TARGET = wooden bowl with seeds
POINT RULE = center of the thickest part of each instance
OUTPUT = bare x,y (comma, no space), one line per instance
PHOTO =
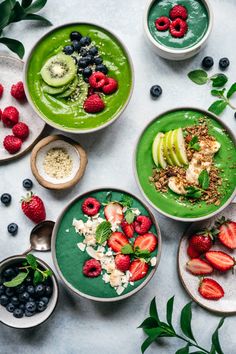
58,162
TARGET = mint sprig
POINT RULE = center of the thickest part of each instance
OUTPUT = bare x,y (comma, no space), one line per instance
136,252
200,77
219,105
194,143
193,192
103,232
204,179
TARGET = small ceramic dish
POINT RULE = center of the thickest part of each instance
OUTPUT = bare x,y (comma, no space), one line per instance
50,158
8,319
199,22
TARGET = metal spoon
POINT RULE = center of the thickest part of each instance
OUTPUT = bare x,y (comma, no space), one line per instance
40,237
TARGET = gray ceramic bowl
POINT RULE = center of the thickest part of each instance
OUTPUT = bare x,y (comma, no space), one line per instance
27,322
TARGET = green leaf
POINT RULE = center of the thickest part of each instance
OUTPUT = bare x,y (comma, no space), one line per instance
127,249
14,45
193,192
26,3
153,310
141,253
18,13
47,273
17,280
148,341
149,322
103,231
231,91
215,338
218,106
184,350
5,11
218,80
199,77
126,201
32,261
185,321
33,17
194,143
129,216
169,310
38,277
198,352
108,196
204,179
218,93
36,6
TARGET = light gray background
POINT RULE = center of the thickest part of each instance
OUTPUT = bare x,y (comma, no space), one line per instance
82,326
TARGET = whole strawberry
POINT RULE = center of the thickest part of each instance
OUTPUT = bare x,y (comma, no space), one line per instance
12,144
122,262
17,91
94,104
201,242
33,208
10,116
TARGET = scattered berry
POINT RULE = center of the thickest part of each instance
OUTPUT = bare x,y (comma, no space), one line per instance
91,206
12,228
155,91
122,262
114,213
201,242
33,208
68,49
110,86
92,268
84,41
227,233
142,224
94,104
210,289
75,36
138,269
98,60
146,242
224,63
1,90
178,11
102,68
162,23
27,184
97,80
192,252
18,92
178,28
220,260
6,198
10,116
21,130
117,240
207,62
128,229
12,144
198,266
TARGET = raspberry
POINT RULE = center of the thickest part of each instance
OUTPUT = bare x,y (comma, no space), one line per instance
91,206
10,116
94,104
178,28
92,268
142,224
0,114
162,23
110,86
178,11
122,262
17,91
1,90
12,144
21,130
97,79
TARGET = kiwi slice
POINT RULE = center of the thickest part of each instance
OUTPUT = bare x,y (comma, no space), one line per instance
54,90
83,91
59,70
72,87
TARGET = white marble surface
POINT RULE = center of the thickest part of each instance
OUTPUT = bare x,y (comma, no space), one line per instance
81,326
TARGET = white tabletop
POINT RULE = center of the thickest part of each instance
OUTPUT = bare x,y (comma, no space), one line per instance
82,326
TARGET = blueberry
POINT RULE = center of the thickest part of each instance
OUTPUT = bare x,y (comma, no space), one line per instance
9,273
45,299
22,307
93,51
12,228
24,297
75,36
30,306
89,59
18,313
155,91
40,290
98,60
87,72
68,49
27,184
4,300
41,306
224,63
83,52
84,41
20,289
30,289
29,314
28,281
83,63
6,199
9,292
48,290
102,68
15,301
207,62
10,307
2,289
76,45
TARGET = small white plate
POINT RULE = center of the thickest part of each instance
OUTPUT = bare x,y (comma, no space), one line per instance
227,304
11,71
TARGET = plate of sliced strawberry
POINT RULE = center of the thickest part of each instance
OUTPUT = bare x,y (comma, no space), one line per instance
106,245
206,261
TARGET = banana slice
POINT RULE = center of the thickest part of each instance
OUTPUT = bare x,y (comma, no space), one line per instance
176,185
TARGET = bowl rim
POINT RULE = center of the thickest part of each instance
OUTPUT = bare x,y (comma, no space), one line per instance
90,297
177,51
55,288
205,112
57,126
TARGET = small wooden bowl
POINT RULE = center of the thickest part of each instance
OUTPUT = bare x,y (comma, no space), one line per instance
58,141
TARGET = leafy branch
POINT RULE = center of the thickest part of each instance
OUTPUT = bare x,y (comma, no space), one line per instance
13,11
155,328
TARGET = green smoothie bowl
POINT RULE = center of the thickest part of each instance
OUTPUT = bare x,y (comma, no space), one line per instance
185,164
106,245
178,29
79,77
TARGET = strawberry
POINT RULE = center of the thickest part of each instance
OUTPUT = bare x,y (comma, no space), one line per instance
220,260
114,213
138,269
116,241
110,86
178,28
1,90
227,232
97,79
197,266
33,208
21,130
122,262
94,104
142,224
17,91
12,144
10,116
146,242
178,11
210,289
192,252
202,241
162,23
128,229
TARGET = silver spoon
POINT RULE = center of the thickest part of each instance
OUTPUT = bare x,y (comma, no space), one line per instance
40,237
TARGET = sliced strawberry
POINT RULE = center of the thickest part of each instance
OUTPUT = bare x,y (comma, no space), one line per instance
210,289
220,260
146,242
199,267
114,213
138,269
192,252
227,234
116,241
128,229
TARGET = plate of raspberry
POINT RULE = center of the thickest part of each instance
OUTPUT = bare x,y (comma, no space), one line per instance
20,127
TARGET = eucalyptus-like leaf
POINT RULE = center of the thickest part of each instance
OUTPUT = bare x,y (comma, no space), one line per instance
26,3
149,340
231,91
18,13
184,350
36,6
5,12
215,338
169,310
219,80
199,77
149,322
198,352
153,310
34,17
218,107
14,45
185,321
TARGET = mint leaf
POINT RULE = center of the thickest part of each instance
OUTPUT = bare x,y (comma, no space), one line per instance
32,261
127,249
129,216
126,201
38,277
204,179
14,45
199,77
194,143
193,192
218,80
185,321
141,253
218,106
17,280
103,231
231,91
47,273
218,93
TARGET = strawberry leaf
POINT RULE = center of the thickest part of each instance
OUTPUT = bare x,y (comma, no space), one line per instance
185,321
218,106
17,280
199,77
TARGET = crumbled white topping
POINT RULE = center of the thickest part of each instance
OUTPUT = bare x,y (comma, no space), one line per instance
81,246
67,230
153,261
120,290
136,211
106,278
115,278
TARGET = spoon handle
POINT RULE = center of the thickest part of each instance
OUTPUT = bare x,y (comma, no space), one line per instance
27,251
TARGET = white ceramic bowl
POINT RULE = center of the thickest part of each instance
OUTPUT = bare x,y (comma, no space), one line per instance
175,53
27,322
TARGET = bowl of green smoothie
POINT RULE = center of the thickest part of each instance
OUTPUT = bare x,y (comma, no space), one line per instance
185,164
79,77
179,29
